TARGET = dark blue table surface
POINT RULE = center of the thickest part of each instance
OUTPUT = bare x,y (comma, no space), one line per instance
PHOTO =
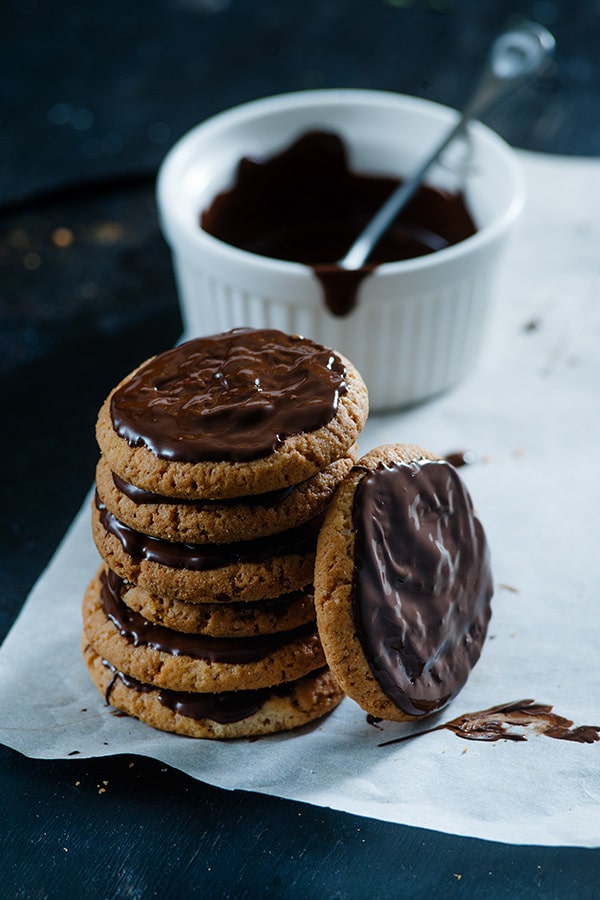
93,95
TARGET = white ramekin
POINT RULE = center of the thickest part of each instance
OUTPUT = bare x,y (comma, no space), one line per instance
419,324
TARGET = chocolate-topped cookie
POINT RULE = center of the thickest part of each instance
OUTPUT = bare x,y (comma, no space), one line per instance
220,521
227,714
402,583
207,573
177,661
222,619
245,412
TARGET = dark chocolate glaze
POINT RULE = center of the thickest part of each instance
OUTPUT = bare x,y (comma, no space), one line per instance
270,499
231,397
140,632
224,707
273,604
495,723
422,582
306,204
200,557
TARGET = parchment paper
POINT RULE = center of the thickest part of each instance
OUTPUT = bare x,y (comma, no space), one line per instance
531,414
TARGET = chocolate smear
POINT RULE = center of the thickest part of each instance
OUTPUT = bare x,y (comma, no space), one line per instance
495,724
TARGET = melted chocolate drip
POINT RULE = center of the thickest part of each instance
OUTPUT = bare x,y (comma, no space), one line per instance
224,707
307,205
422,582
231,397
141,497
460,458
374,721
494,724
200,557
140,632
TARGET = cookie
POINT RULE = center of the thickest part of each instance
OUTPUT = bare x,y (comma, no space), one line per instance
245,412
176,661
236,714
224,619
225,521
402,583
207,573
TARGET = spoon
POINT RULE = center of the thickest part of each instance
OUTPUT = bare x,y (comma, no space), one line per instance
516,54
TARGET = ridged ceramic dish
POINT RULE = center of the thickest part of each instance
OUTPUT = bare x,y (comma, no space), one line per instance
419,324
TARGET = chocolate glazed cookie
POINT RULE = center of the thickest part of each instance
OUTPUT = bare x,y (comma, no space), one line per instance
220,521
229,714
170,659
240,413
207,573
402,583
222,619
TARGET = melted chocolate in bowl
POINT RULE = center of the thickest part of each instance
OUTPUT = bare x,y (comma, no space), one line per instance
306,205
422,582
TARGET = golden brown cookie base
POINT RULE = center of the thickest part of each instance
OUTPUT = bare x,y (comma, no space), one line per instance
243,582
186,673
333,587
309,699
225,619
220,523
298,458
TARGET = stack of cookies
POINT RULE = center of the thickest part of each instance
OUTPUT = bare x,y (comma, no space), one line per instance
218,462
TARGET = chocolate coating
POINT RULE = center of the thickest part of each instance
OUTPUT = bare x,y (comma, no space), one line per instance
200,557
139,496
140,632
230,397
223,707
422,582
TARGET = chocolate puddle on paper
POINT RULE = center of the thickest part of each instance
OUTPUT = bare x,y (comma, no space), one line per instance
495,724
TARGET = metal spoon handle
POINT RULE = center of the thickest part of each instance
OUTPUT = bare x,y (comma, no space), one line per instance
514,55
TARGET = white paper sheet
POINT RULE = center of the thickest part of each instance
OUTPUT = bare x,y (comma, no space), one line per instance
531,413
